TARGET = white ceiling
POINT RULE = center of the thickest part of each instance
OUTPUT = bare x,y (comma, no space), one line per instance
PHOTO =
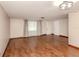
33,10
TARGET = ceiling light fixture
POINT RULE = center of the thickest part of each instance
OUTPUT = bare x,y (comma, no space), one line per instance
42,17
64,4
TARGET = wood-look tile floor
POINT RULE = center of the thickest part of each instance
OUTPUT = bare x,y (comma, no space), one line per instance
43,46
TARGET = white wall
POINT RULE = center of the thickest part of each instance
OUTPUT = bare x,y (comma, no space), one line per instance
16,28
74,29
58,27
4,30
44,28
47,27
64,27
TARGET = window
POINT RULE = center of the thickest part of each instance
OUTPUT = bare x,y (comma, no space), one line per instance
32,28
